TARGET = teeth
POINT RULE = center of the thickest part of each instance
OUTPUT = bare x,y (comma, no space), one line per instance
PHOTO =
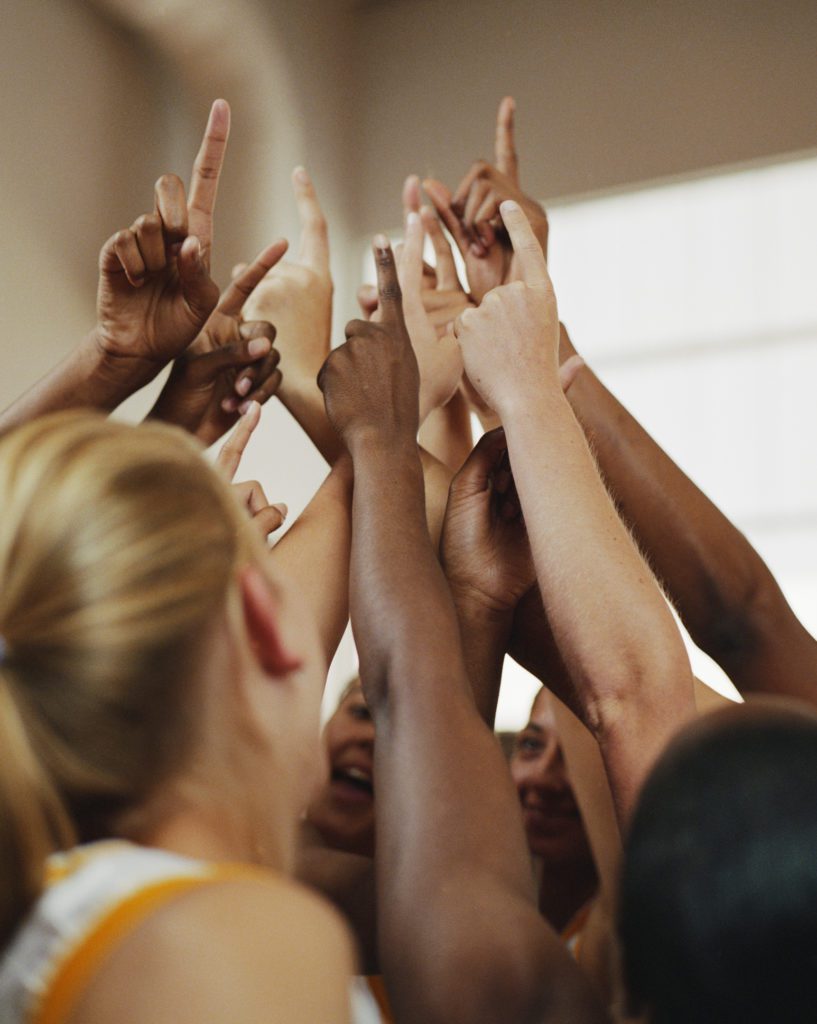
359,774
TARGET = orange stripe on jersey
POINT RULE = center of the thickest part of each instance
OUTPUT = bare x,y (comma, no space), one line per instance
378,989
79,967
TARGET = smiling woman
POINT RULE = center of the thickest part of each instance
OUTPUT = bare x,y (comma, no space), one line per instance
343,809
554,828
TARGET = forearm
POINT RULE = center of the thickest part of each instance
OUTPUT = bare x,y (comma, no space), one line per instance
446,433
315,552
484,634
445,804
436,480
398,589
86,378
716,579
304,402
610,621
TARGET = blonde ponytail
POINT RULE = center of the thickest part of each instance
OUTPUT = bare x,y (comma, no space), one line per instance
34,821
118,546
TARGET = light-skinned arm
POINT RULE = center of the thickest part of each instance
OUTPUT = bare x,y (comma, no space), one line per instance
610,620
724,592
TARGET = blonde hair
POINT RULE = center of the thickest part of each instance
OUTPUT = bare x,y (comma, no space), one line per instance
118,545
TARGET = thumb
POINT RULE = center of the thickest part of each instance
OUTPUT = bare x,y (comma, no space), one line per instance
367,299
569,370
199,290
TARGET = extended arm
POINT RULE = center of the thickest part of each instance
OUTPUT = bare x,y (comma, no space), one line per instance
725,594
477,950
611,623
315,552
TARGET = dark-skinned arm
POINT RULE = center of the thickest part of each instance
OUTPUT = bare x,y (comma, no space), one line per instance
725,594
477,950
486,556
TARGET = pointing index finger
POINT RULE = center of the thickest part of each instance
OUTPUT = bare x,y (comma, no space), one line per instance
249,277
504,147
390,298
206,173
314,248
411,264
525,245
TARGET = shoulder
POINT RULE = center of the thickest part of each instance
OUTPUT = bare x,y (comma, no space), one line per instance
251,948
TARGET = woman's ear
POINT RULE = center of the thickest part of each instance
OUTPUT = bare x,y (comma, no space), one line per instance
262,621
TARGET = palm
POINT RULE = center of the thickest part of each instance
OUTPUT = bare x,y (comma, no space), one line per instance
298,300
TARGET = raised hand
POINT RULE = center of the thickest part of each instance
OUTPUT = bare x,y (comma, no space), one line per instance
438,355
444,297
200,393
297,298
510,343
371,384
484,545
155,292
471,214
267,518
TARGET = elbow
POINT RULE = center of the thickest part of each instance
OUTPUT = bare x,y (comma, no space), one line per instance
737,619
529,978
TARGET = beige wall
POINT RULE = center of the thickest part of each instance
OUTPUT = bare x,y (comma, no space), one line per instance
100,98
609,93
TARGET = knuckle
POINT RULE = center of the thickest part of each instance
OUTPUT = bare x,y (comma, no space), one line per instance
147,222
205,169
168,182
317,223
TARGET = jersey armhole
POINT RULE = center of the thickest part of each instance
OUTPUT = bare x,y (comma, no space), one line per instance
78,967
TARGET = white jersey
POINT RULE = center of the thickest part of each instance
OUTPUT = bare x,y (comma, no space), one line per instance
95,896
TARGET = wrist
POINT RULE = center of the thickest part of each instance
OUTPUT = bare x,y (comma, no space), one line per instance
532,398
299,384
477,605
371,444
117,375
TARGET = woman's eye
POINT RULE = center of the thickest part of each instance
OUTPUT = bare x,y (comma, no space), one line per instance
528,745
361,713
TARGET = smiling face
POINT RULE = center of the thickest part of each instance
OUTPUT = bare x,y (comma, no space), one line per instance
553,823
343,810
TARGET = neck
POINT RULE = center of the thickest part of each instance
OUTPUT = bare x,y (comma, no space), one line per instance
223,831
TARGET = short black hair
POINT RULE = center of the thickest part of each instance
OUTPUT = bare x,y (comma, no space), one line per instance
718,898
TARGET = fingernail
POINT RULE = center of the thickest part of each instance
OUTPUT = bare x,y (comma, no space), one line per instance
509,206
245,407
301,176
259,347
381,242
413,218
281,508
243,386
229,404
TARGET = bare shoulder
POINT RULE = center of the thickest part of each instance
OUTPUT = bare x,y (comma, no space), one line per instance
249,949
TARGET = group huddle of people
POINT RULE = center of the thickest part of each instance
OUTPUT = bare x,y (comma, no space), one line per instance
178,841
